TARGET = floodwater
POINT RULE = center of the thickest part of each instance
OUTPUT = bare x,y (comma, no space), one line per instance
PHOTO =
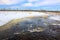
5,17
41,27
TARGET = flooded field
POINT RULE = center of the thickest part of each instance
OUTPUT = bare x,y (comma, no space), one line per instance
29,26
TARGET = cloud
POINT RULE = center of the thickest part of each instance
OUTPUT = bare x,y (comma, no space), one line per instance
29,3
41,3
49,2
32,0
9,2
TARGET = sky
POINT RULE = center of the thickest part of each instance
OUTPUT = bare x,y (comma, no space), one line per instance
30,4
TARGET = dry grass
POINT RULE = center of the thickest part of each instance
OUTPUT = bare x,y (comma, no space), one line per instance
9,24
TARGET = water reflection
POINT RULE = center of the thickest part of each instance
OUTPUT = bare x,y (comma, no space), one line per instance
36,27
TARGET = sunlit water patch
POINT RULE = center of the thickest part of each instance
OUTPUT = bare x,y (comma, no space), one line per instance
5,17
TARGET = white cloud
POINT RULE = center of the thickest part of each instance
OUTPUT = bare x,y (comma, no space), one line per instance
41,3
27,4
30,3
9,2
33,0
48,2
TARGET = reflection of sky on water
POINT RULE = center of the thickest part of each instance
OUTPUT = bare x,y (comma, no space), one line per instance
5,17
55,17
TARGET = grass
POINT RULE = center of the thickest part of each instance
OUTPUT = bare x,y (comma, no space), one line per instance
9,24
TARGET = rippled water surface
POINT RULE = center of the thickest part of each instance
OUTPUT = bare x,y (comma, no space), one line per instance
41,26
